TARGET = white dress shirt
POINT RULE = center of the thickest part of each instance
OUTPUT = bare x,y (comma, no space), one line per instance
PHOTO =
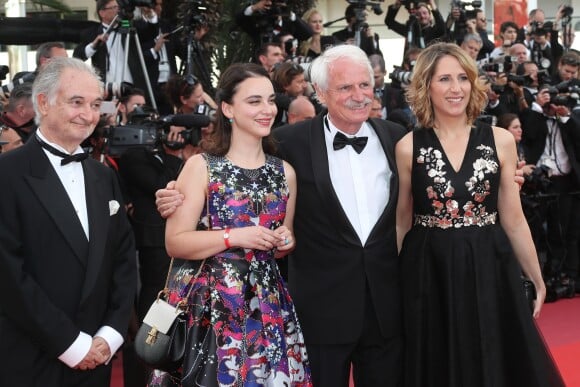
361,181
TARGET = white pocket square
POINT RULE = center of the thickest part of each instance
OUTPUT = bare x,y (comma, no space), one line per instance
113,207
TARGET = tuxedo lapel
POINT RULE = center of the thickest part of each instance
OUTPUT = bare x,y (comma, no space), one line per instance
49,190
388,145
98,214
323,183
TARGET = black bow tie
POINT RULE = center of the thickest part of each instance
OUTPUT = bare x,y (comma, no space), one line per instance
66,158
358,143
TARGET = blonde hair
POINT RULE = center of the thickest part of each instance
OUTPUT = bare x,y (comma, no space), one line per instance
305,45
418,93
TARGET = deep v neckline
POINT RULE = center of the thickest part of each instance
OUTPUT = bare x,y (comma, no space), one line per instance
444,152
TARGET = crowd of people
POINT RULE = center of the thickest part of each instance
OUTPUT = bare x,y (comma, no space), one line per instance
340,224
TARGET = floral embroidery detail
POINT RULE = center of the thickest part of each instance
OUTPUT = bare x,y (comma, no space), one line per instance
446,211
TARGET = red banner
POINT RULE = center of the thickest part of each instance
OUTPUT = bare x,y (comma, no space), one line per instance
509,10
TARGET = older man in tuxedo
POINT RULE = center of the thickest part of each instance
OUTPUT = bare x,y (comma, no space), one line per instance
343,275
67,271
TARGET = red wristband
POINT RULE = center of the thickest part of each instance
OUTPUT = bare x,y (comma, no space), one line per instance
227,238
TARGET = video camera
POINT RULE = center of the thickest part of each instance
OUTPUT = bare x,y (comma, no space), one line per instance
128,6
151,132
361,5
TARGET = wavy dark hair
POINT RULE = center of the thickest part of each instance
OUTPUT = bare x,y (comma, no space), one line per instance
218,142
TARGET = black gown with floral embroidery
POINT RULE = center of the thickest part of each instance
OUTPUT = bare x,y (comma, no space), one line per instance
466,317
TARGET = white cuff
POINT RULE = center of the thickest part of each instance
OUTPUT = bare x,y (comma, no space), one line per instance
564,119
537,108
112,337
89,50
248,11
77,350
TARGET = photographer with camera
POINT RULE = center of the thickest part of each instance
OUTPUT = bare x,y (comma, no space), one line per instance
356,16
425,23
508,32
264,19
160,45
550,140
536,18
104,45
9,139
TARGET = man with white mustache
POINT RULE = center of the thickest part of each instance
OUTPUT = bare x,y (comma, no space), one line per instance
343,274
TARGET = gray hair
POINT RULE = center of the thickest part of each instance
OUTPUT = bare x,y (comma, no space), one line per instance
476,38
45,50
322,65
20,93
47,81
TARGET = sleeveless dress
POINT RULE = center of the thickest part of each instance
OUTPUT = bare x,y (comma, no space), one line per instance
467,320
256,336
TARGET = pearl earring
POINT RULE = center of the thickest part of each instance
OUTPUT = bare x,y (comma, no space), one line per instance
231,120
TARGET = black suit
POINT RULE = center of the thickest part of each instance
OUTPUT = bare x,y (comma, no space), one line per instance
53,282
147,34
331,275
143,173
563,214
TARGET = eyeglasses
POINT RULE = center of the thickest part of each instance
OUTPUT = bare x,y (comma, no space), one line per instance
111,7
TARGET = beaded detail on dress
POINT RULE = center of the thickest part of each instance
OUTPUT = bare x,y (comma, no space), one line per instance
446,210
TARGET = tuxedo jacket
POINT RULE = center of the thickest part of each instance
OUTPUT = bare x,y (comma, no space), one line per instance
54,283
330,270
535,133
144,172
101,57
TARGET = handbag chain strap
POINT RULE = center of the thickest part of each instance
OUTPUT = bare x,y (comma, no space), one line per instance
183,301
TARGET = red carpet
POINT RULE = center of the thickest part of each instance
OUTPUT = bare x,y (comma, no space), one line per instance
559,323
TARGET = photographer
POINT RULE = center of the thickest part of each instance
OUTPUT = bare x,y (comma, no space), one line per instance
265,19
508,32
355,16
19,112
567,68
550,140
134,98
159,46
421,28
9,139
144,171
104,45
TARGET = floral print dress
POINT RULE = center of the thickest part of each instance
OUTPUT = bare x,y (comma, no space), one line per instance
466,318
242,297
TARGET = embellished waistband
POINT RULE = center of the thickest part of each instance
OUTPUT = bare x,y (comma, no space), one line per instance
455,222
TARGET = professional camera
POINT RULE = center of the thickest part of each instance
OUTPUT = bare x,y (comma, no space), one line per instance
520,80
463,5
560,286
568,98
537,182
401,76
362,4
129,5
116,89
7,89
504,64
150,133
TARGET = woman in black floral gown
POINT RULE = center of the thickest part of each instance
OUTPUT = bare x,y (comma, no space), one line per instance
464,241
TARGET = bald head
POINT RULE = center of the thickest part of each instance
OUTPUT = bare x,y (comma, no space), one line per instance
300,109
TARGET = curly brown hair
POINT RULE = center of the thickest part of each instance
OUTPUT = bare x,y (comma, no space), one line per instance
418,93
